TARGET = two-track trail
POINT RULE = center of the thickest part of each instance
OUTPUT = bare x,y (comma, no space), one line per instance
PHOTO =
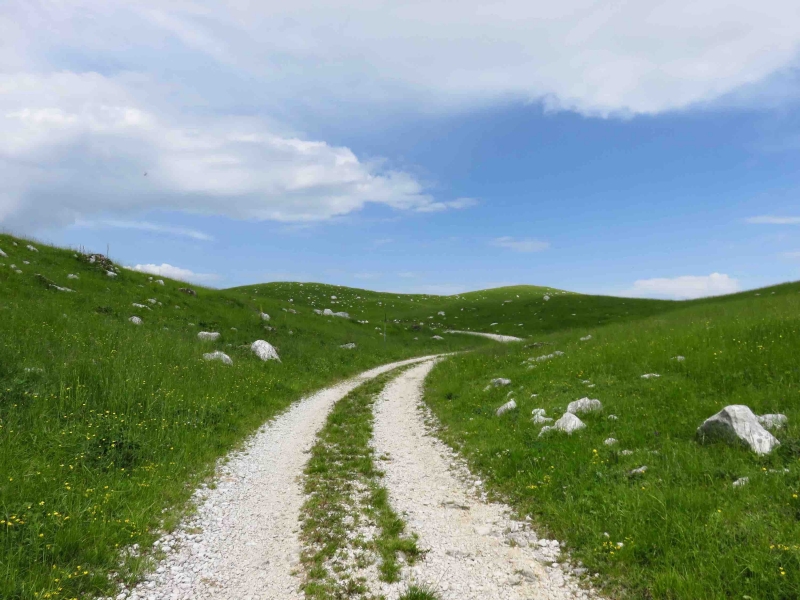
242,543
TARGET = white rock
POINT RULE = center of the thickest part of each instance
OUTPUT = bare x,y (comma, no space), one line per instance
499,382
638,471
679,358
160,281
135,320
584,405
111,273
510,405
348,346
152,301
567,423
538,411
546,298
264,316
612,417
217,355
626,452
208,335
586,338
437,337
333,297
737,422
264,350
773,421
31,248
540,419
440,313
650,375
26,262
609,441
72,276
741,481
329,313
3,254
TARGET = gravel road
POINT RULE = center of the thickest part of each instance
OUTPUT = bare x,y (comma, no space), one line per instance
242,543
476,551
492,336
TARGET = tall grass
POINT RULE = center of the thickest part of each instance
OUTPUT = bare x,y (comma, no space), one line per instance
681,529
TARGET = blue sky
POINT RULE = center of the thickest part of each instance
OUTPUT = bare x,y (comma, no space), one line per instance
635,150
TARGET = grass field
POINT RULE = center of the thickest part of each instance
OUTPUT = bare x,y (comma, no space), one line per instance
104,425
680,529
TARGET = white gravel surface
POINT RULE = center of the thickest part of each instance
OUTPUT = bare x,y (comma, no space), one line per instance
492,336
476,550
242,543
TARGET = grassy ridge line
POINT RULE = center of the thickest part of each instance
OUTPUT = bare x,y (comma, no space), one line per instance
349,530
680,530
105,425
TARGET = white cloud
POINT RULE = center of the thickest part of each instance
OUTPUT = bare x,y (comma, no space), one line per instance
366,275
685,287
791,255
407,274
521,245
773,220
458,203
75,145
167,270
146,226
597,58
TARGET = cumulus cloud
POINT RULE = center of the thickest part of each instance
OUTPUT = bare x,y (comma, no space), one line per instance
167,270
773,220
74,145
146,226
521,245
685,287
595,58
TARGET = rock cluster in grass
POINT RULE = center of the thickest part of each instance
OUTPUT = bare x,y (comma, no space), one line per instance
568,423
539,417
497,382
348,346
737,423
437,337
208,336
773,421
220,356
650,376
135,320
264,350
264,316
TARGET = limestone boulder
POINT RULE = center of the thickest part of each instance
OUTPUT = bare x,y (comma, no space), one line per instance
737,423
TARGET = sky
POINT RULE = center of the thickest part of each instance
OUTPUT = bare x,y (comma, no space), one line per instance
641,148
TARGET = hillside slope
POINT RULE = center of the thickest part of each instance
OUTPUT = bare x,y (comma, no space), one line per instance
680,528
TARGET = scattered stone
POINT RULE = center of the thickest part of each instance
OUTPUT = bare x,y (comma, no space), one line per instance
26,262
741,482
159,281
510,405
638,471
137,305
437,337
3,254
539,417
265,316
264,350
584,405
220,356
31,248
610,441
152,301
72,276
498,382
586,338
650,375
612,417
187,290
568,423
348,346
209,336
773,421
135,320
329,313
111,273
333,297
737,422
546,298
626,452
678,358
440,313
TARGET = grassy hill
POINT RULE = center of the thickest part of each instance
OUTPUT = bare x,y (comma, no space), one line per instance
681,529
106,427
105,424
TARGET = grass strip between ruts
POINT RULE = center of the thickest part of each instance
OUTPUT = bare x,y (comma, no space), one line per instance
349,530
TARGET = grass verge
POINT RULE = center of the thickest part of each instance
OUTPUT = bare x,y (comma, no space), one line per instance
352,537
680,529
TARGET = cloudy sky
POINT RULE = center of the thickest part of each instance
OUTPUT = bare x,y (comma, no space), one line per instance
642,148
